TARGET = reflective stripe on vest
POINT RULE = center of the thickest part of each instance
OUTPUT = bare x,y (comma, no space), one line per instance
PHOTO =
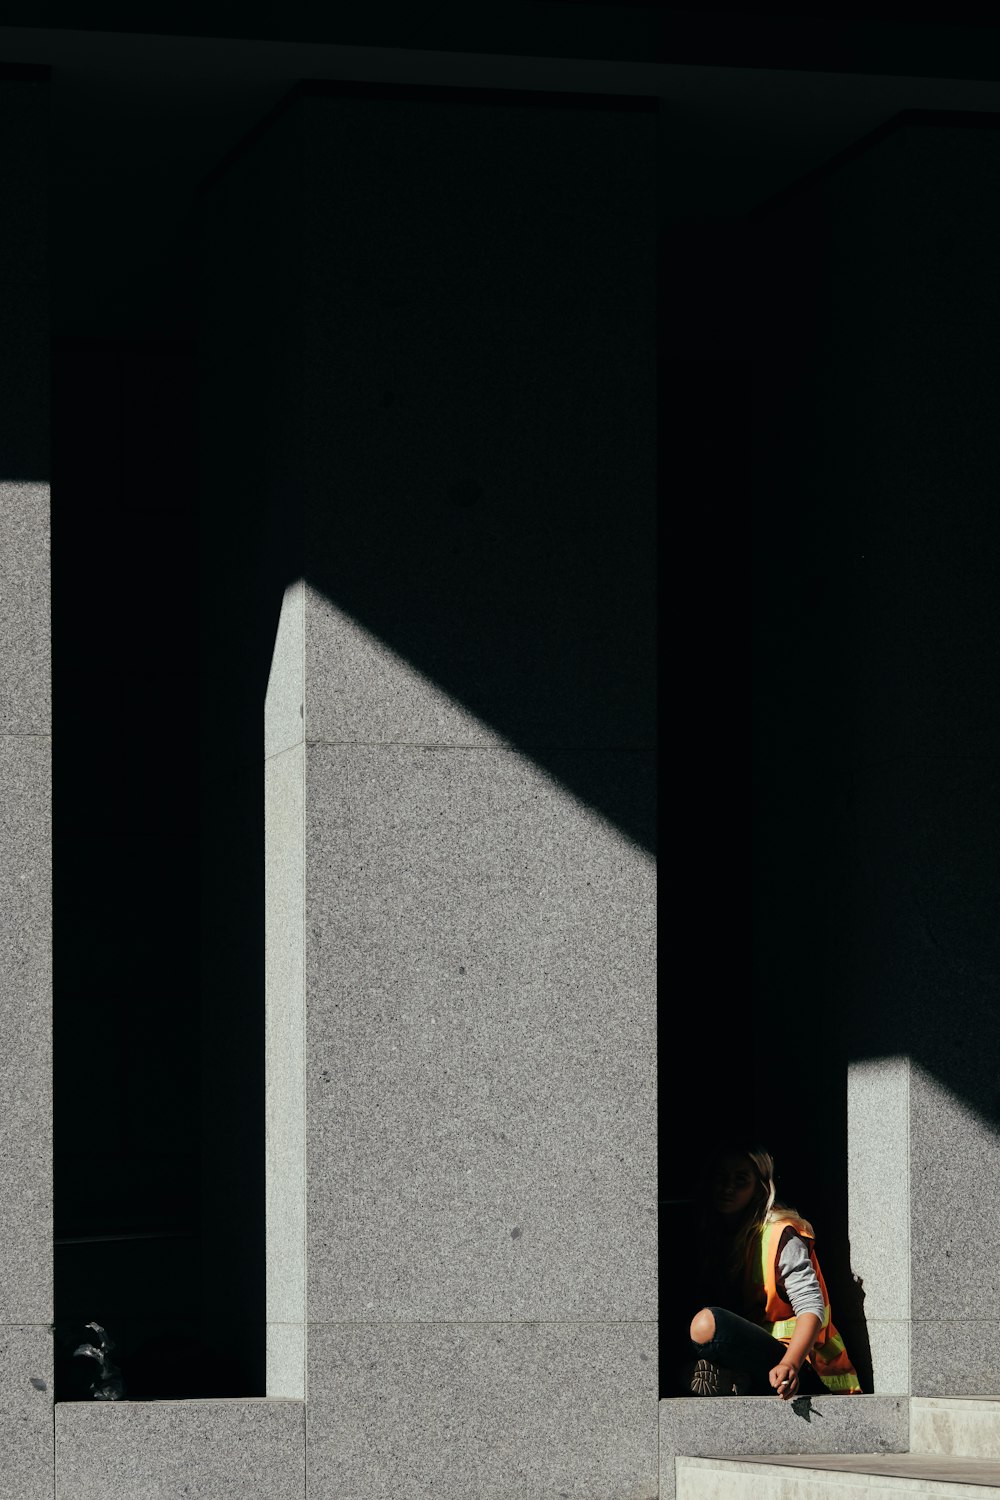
828,1356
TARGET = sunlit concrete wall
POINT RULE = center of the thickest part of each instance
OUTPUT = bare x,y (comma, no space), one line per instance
26,1309
432,321
879,616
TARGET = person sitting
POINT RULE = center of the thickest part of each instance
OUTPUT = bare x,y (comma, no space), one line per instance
769,1327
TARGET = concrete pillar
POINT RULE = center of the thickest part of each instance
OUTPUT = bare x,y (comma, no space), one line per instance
879,564
432,316
26,1302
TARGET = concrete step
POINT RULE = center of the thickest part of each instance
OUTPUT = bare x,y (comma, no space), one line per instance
962,1426
838,1476
729,1427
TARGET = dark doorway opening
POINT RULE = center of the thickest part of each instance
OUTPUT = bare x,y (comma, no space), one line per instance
137,1133
744,1054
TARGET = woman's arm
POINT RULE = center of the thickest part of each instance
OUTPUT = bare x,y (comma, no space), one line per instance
785,1375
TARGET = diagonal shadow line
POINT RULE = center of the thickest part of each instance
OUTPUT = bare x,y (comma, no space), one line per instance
563,675
615,781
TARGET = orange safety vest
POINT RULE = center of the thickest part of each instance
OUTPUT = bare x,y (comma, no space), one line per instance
828,1355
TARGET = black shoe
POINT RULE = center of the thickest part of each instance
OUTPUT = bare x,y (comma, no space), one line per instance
709,1380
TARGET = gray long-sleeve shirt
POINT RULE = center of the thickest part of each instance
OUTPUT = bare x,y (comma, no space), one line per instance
799,1277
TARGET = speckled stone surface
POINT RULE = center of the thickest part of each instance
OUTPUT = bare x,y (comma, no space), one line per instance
26,1234
497,1411
955,1153
26,1376
902,281
843,1478
285,1359
25,1030
959,1426
478,477
284,701
955,1358
25,632
878,1177
481,1049
482,564
166,1450
284,1077
889,1343
464,413
737,1425
362,691
878,1123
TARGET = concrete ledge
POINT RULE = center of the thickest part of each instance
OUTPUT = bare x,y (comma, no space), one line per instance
25,1027
25,1413
828,1477
734,1426
963,1426
239,1449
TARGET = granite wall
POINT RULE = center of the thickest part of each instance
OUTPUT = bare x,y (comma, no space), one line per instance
429,407
877,735
26,1304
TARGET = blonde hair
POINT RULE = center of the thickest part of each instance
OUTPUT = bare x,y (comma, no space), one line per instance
764,1209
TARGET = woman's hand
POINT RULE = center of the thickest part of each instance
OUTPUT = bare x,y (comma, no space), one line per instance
785,1376
785,1379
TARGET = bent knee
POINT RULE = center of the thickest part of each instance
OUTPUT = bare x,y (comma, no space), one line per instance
703,1326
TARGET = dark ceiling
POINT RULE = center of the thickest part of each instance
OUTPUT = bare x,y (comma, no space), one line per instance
927,40
749,103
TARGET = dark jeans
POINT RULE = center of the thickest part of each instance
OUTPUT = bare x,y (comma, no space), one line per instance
740,1345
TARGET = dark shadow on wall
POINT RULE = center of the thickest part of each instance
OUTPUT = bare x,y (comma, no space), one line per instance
158,832
527,599
472,538
878,633
874,884
475,482
466,532
130,1117
877,647
24,310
